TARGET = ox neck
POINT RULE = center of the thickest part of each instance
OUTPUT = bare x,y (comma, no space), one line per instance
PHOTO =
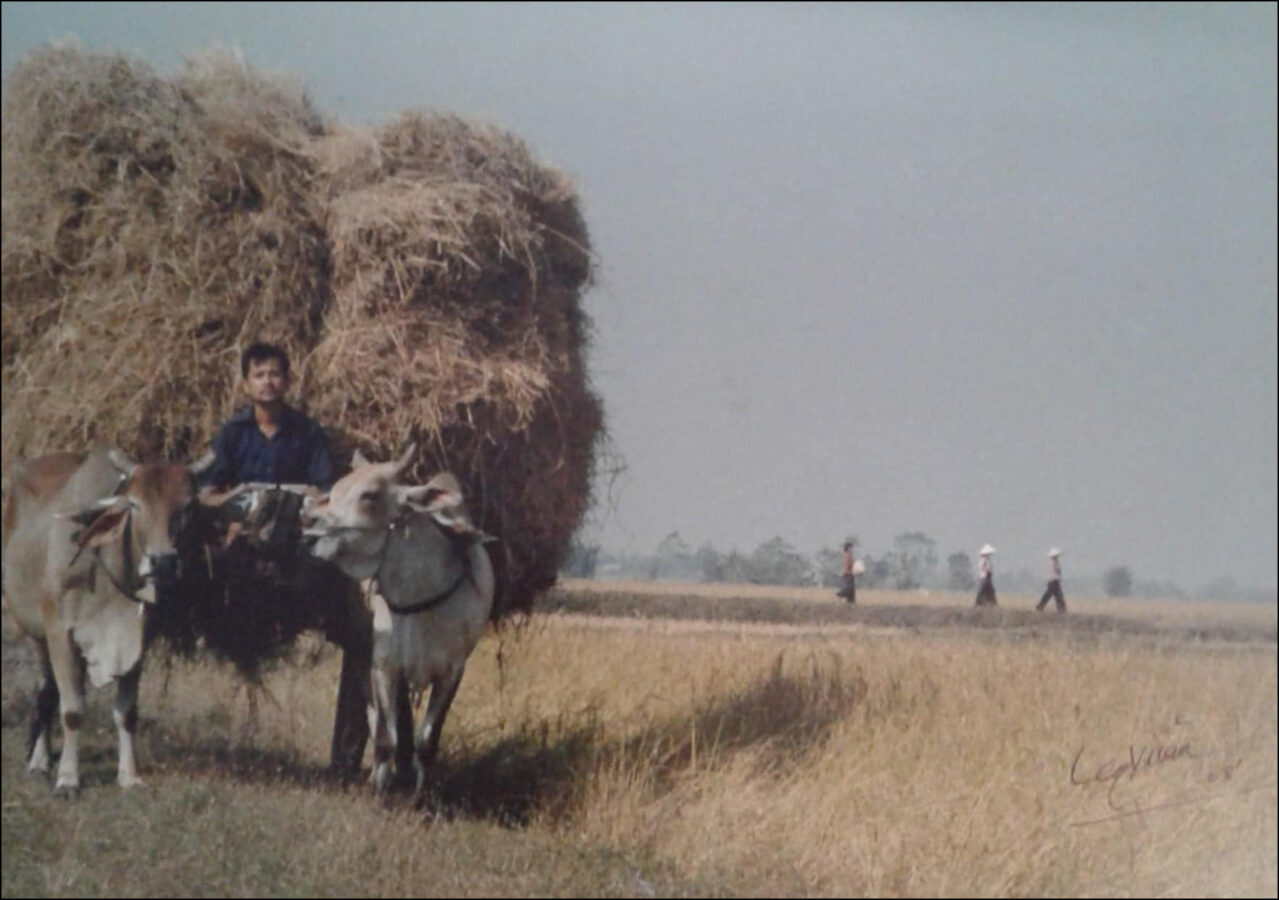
415,586
365,562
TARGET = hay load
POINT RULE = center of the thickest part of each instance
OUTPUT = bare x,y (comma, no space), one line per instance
424,277
147,232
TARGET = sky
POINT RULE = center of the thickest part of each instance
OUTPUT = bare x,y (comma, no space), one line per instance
999,273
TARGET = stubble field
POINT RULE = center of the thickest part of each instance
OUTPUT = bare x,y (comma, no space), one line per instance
690,740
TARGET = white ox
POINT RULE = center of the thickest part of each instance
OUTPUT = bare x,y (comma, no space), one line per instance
87,541
433,592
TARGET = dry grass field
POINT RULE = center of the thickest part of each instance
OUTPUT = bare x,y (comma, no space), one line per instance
642,740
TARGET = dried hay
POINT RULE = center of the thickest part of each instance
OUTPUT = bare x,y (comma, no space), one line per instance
424,277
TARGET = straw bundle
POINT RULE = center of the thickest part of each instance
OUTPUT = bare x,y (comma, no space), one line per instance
424,277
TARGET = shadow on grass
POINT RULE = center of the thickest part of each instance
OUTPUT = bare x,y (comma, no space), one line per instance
224,757
547,769
544,769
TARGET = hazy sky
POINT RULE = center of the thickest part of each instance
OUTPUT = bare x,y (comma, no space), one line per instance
999,273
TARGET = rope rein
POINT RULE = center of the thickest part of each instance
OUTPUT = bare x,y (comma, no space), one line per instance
125,560
421,605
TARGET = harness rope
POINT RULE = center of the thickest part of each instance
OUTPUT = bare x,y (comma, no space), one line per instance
125,559
421,605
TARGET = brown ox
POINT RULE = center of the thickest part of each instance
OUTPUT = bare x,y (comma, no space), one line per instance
87,542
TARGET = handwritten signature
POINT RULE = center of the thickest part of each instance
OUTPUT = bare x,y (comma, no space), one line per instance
1120,774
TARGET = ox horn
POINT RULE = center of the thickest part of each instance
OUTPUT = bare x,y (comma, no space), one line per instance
89,513
403,462
121,462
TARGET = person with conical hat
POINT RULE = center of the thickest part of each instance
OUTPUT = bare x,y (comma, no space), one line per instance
986,573
1054,583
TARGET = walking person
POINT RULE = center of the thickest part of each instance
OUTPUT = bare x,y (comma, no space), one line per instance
848,590
1054,583
986,572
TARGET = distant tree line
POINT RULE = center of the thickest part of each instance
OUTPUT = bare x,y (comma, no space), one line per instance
910,564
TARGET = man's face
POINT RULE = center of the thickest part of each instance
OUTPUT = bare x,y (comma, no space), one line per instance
266,381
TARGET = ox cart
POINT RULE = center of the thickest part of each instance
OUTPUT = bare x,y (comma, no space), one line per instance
259,590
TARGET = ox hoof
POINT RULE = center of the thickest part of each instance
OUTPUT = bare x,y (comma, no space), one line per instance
38,759
428,801
424,803
432,809
383,779
132,782
70,792
344,774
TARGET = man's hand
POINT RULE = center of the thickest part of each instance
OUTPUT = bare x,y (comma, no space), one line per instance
210,496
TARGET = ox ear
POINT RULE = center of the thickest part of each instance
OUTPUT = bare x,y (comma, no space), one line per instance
441,499
202,465
403,462
357,459
441,492
121,462
425,497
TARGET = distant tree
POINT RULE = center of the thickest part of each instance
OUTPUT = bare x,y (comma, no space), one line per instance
1118,581
673,558
581,560
711,563
738,569
830,566
877,573
777,562
636,565
912,559
672,546
960,568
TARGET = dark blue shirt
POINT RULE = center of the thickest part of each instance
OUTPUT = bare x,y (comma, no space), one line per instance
298,453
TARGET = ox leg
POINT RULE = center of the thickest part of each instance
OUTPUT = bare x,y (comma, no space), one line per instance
38,749
126,722
384,732
404,765
442,694
67,672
